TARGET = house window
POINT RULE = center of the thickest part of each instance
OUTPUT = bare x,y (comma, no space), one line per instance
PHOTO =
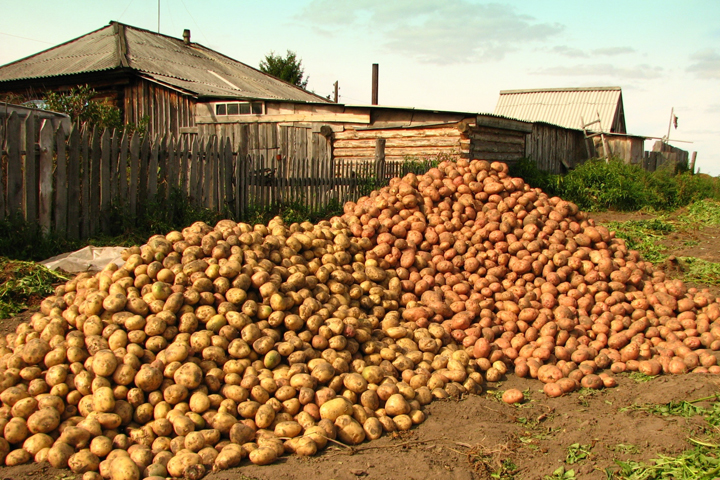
239,108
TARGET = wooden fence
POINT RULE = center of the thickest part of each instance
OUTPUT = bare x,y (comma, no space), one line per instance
67,181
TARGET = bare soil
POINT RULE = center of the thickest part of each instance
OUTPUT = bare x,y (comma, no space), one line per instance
469,438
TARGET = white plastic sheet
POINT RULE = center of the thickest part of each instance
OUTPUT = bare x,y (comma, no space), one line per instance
88,259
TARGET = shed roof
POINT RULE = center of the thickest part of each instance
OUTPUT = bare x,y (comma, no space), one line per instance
192,68
566,106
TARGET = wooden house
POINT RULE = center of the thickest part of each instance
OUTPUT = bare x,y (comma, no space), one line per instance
149,75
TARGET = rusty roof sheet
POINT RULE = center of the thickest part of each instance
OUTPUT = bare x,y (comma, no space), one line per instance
564,106
192,68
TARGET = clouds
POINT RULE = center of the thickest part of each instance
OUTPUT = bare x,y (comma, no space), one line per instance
706,64
642,72
451,32
572,52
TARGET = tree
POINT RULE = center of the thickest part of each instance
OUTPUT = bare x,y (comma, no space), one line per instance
288,68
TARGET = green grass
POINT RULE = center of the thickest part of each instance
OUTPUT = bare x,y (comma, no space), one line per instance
22,283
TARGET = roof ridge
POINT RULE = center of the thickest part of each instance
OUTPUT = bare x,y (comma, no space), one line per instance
562,89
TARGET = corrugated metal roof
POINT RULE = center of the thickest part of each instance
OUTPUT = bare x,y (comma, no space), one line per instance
565,106
192,68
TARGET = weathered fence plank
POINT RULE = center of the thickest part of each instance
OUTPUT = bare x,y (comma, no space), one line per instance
61,184
30,187
162,169
114,167
122,168
85,182
73,192
105,175
143,185
152,176
14,166
94,207
47,153
134,173
2,178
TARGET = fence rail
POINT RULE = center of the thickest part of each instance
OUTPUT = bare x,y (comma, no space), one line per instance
66,181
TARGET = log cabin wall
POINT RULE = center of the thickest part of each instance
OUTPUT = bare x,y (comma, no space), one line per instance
557,149
401,144
491,144
169,112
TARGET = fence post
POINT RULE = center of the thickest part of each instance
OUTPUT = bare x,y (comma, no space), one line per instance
46,172
380,166
105,178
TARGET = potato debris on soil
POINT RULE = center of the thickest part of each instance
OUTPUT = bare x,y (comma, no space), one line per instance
211,347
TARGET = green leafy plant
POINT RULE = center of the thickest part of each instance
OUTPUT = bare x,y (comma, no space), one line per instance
699,463
561,474
577,453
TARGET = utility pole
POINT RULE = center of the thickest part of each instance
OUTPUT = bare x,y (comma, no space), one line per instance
158,16
336,91
375,77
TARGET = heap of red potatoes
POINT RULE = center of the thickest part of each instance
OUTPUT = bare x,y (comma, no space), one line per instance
213,345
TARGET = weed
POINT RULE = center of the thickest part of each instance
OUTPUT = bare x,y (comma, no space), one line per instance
697,270
22,283
699,463
704,211
577,453
624,448
639,377
642,235
561,474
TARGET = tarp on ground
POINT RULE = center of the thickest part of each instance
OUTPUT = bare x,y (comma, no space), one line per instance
88,259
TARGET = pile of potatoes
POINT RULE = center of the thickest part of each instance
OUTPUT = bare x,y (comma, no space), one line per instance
215,345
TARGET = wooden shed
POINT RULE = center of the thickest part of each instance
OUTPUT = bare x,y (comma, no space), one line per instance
148,75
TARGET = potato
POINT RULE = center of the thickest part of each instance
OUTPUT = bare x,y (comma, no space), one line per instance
349,430
262,456
100,446
229,457
104,363
103,400
177,465
123,468
16,430
17,457
332,409
83,461
512,395
25,407
59,455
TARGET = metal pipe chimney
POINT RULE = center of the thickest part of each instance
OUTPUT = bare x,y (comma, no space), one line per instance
375,74
186,36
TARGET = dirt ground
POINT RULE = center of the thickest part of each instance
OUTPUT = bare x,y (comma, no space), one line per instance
469,438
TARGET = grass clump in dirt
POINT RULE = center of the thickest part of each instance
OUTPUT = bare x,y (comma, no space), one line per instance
23,284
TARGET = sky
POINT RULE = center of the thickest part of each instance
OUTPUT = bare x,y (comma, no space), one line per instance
444,55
